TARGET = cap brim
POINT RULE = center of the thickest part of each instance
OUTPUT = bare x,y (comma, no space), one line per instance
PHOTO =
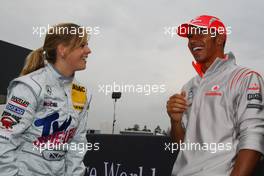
182,30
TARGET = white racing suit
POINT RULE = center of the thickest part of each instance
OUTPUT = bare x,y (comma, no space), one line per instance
43,126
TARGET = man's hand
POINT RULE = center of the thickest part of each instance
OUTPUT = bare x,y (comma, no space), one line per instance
176,106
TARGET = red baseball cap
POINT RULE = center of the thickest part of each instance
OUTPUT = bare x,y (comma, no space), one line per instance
203,21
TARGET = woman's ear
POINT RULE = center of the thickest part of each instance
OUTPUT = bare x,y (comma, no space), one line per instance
61,50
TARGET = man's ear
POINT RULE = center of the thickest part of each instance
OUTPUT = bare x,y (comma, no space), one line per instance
220,39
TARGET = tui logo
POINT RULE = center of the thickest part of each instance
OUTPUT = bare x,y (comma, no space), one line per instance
50,122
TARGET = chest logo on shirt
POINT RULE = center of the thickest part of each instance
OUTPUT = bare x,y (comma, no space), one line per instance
50,121
78,97
60,133
15,109
215,91
48,103
190,94
8,120
48,89
78,88
20,101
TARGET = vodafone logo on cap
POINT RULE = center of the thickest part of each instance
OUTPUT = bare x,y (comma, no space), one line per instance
196,21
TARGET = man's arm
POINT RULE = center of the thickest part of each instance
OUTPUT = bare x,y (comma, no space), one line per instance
176,106
177,131
250,124
246,162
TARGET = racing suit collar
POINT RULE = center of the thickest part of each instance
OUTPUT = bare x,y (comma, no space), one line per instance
217,65
59,76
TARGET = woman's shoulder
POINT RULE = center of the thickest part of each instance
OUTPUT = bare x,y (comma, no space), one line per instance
32,80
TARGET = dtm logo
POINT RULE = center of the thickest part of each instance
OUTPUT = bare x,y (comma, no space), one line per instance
49,121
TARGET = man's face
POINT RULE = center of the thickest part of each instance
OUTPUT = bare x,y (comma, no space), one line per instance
201,44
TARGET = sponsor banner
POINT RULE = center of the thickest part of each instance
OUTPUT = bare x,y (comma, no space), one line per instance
123,155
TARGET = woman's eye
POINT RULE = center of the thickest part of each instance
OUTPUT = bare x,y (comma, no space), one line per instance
84,44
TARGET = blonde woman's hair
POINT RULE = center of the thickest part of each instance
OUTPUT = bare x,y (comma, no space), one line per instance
68,34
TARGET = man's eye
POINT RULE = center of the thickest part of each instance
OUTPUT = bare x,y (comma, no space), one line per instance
189,36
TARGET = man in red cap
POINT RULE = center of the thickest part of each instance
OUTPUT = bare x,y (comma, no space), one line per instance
217,120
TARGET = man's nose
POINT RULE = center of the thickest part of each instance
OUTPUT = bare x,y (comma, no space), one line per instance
193,41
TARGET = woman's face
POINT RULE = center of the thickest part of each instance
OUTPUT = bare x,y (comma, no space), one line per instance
77,58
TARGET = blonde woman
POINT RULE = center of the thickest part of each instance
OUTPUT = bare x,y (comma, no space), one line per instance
45,118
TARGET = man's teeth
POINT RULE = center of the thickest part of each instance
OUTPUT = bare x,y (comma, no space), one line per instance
197,48
84,58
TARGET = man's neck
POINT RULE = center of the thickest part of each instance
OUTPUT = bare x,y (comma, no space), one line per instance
207,64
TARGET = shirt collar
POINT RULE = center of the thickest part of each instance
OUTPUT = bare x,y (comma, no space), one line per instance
57,75
217,64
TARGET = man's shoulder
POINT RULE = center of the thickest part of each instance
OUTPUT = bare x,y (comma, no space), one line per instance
240,75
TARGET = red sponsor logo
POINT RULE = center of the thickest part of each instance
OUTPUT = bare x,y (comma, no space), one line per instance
215,88
59,137
214,91
50,104
253,86
20,101
7,122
